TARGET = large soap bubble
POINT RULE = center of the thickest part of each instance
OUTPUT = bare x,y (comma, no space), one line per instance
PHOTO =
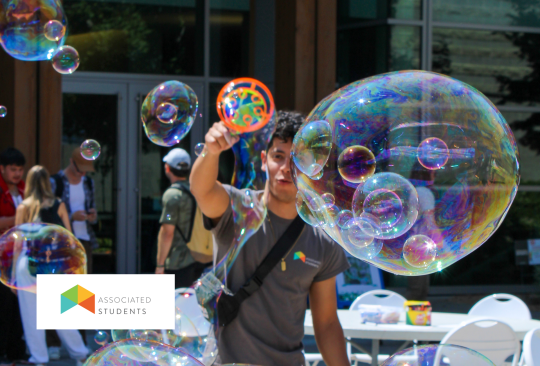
385,146
438,355
25,28
245,105
36,248
136,352
168,112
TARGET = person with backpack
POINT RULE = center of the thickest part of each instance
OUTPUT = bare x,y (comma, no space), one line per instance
185,247
76,190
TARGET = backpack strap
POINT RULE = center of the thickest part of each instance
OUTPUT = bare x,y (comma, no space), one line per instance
184,189
59,182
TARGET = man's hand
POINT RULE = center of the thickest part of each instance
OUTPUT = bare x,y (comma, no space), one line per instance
218,139
160,270
79,215
92,215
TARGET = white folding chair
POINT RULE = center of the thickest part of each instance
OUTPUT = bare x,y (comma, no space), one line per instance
493,338
531,349
374,297
501,306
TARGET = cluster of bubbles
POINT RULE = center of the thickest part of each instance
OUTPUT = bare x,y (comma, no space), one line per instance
438,355
3,111
37,248
90,149
410,171
245,105
168,112
33,30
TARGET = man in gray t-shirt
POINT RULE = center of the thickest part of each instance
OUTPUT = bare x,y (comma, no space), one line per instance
270,325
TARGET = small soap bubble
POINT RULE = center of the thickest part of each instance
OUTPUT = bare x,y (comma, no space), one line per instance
345,219
311,147
3,111
101,337
438,354
358,237
328,199
66,60
356,164
419,251
200,149
309,209
318,175
248,199
433,153
54,30
90,149
166,112
159,100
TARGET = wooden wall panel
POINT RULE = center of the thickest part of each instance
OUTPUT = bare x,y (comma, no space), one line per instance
50,117
25,110
305,55
285,54
326,48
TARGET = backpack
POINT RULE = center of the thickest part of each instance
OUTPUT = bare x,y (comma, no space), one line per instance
199,240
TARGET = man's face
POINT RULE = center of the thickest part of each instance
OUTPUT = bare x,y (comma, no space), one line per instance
12,174
75,169
276,163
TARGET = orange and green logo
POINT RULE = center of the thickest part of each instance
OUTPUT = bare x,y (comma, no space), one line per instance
301,256
77,295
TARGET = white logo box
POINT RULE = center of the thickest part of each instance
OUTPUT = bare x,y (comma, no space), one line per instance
136,302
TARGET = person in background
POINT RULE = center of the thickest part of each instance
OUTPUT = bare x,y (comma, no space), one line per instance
76,190
181,223
269,326
12,163
40,205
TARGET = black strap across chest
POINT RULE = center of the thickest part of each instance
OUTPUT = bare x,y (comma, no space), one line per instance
229,306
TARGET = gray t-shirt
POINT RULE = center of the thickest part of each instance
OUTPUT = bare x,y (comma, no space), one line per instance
270,326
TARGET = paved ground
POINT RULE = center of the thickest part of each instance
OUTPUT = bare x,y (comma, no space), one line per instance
455,304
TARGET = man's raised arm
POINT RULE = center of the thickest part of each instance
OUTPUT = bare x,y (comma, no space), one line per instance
211,197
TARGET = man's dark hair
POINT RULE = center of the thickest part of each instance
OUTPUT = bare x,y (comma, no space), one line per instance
180,173
12,156
287,125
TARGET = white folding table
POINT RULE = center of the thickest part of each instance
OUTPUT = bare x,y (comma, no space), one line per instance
441,323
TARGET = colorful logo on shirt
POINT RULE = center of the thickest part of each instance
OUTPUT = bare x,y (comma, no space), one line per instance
77,295
301,256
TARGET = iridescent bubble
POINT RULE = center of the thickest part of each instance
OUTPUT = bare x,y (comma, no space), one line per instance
248,199
200,149
135,352
309,209
328,199
358,237
419,251
245,105
23,28
166,112
388,202
177,94
311,147
403,119
356,164
3,111
36,248
318,175
439,355
345,219
433,153
90,149
54,30
66,60
101,337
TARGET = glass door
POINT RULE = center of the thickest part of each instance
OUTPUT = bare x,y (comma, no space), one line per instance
97,110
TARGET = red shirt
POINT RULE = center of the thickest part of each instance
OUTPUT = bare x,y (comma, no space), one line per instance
7,206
